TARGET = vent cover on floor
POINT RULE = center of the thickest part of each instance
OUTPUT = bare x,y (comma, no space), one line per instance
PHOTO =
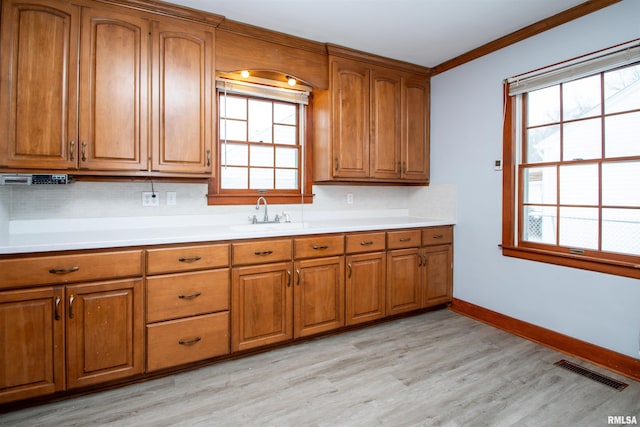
592,375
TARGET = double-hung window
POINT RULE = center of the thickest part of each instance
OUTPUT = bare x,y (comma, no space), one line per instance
261,143
572,163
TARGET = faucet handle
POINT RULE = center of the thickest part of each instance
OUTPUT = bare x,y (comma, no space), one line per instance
286,216
253,219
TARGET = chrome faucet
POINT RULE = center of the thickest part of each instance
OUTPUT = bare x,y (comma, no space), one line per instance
266,214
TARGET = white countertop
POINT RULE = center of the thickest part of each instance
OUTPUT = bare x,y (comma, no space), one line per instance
58,235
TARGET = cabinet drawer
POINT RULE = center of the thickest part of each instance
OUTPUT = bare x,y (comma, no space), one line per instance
318,246
365,242
185,258
29,271
261,251
437,235
403,239
187,294
177,342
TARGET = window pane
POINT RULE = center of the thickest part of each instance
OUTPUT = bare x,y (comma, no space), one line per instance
543,106
579,185
284,113
622,134
543,144
233,178
234,154
539,224
286,157
261,179
284,134
621,184
540,185
621,91
262,155
621,230
582,140
233,130
579,227
260,121
287,179
581,98
233,107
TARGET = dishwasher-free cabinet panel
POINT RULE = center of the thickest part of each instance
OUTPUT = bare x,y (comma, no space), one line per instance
365,287
438,280
404,290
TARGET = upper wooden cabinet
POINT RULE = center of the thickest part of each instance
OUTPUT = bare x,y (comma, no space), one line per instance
183,120
74,87
80,90
378,120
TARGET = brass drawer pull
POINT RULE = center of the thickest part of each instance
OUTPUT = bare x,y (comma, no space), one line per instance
71,299
192,341
350,267
263,253
298,282
192,259
405,239
320,247
368,243
84,148
191,296
438,236
64,270
57,308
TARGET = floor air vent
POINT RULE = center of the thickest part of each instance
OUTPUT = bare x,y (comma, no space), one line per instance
592,375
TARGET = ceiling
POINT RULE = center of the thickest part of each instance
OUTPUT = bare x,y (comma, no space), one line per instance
423,32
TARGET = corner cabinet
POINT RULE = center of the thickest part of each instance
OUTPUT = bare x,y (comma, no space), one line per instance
378,120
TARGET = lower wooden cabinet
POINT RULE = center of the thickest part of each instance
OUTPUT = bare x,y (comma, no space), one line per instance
261,305
365,287
437,276
404,285
31,343
318,296
104,331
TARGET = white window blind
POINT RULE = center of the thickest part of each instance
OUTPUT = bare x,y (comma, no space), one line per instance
617,56
262,91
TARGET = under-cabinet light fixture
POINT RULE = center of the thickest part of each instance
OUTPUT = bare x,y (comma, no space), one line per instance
292,81
244,73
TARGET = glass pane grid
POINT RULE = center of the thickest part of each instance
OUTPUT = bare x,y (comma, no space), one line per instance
581,164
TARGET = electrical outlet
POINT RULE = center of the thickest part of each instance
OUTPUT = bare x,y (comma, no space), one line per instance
349,198
150,198
172,198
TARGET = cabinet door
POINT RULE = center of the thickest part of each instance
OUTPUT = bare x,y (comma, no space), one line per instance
415,130
319,296
386,90
350,119
365,287
38,103
183,124
105,328
261,305
113,91
438,283
31,343
403,281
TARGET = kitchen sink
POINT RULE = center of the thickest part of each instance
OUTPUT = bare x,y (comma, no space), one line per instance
271,226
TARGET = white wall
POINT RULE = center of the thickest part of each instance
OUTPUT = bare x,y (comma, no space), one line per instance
466,138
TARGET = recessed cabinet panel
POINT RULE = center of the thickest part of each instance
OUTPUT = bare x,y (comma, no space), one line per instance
415,127
113,91
438,279
183,124
365,287
385,110
38,104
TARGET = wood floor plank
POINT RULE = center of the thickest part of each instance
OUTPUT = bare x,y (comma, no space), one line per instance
434,369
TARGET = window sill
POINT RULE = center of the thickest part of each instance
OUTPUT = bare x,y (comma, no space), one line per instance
617,268
217,199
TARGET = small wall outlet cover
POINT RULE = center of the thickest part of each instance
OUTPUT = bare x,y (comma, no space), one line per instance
150,198
172,198
349,198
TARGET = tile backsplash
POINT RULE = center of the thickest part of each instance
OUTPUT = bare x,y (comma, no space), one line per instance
101,200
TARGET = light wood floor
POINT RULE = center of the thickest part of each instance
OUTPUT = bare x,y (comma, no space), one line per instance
435,369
